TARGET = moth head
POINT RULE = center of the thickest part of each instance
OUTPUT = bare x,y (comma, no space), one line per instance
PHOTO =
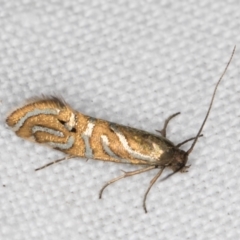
179,161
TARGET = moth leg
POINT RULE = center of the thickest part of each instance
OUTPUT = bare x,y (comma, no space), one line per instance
56,161
164,130
190,139
150,186
126,174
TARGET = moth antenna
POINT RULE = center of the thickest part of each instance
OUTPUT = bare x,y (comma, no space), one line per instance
171,174
211,103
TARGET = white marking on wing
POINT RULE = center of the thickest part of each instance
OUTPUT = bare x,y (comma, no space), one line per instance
132,152
35,112
47,130
86,136
89,130
71,123
63,146
105,143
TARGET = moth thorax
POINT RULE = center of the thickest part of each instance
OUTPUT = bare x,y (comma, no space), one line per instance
179,160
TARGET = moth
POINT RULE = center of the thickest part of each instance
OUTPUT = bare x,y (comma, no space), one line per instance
51,121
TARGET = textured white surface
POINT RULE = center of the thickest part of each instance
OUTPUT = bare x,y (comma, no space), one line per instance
131,62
